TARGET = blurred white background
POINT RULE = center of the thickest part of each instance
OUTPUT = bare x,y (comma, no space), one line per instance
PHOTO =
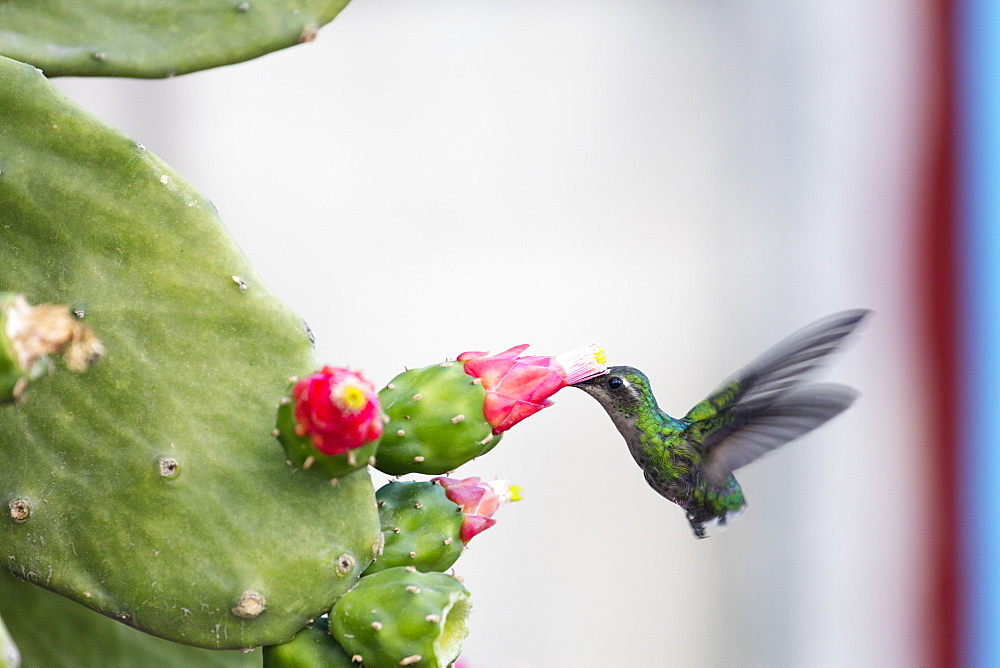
684,182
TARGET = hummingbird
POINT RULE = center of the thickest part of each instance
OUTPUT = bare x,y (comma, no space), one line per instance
691,460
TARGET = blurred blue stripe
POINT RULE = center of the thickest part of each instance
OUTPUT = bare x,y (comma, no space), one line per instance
979,128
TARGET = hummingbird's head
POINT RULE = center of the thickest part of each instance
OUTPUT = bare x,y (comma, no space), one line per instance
623,391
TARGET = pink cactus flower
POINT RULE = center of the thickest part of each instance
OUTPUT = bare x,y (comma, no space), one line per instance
478,501
517,387
338,409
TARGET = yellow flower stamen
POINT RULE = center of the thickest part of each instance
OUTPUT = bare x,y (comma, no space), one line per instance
600,356
348,397
505,491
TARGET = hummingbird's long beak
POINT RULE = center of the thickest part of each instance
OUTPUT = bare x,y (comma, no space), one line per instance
591,386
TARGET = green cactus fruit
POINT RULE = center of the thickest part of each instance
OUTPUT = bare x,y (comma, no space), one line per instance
154,38
150,488
436,421
54,632
402,617
303,455
312,647
421,527
30,334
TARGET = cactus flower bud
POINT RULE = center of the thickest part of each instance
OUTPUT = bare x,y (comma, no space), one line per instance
331,423
338,409
517,387
478,501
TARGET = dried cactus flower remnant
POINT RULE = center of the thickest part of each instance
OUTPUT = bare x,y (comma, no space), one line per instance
30,334
47,329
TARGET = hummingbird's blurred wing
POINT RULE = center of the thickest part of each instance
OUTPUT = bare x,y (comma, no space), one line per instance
781,368
748,431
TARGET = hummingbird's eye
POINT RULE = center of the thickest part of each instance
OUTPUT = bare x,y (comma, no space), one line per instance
615,382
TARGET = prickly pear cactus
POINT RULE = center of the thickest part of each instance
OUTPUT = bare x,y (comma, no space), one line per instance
421,527
154,38
402,617
436,421
150,488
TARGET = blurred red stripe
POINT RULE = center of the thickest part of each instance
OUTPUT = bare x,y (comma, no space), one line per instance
937,275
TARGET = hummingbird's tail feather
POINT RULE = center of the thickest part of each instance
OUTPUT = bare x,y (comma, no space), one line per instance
781,367
757,431
704,528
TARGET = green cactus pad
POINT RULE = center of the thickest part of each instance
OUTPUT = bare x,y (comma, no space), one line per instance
154,38
303,455
54,632
436,421
421,526
150,488
312,647
402,617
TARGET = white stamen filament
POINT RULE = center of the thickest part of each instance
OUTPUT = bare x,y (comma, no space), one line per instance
583,363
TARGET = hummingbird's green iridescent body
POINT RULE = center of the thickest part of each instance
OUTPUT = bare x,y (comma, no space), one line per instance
691,460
